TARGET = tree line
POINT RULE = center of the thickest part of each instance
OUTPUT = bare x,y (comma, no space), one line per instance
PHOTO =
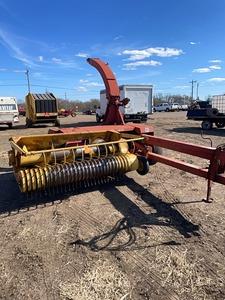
77,105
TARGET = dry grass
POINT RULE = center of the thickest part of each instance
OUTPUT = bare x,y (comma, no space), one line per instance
103,281
184,274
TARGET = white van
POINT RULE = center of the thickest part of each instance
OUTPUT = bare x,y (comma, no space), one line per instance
8,111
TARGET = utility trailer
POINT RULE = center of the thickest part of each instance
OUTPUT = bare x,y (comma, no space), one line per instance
137,109
208,117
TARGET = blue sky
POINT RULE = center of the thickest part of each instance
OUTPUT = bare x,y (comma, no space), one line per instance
166,43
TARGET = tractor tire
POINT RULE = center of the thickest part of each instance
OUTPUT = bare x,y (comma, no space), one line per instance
29,123
220,124
57,123
143,168
207,125
98,119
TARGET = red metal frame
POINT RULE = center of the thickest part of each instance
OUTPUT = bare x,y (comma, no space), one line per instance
112,114
215,156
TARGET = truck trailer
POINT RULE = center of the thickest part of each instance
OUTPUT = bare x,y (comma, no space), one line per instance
139,107
8,111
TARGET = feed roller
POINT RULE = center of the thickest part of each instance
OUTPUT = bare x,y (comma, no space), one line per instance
54,160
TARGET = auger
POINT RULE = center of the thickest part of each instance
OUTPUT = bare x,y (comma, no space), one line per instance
86,156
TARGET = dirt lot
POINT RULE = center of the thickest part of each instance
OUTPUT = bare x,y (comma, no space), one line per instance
147,237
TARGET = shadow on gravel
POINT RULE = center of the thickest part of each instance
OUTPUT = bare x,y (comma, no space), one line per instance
134,217
196,130
79,124
13,202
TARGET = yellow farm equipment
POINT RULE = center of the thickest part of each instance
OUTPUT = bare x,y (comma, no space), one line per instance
66,160
41,108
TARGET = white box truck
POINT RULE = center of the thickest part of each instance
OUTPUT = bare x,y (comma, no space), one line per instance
137,110
9,113
218,102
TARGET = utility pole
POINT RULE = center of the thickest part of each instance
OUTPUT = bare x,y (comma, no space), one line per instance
192,88
28,80
197,91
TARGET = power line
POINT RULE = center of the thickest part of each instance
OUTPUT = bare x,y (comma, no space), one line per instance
28,80
192,88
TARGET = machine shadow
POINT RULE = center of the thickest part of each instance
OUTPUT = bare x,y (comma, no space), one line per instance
13,202
79,124
134,217
196,130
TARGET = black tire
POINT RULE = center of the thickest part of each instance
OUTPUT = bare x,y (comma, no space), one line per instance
167,110
206,125
157,150
57,123
98,119
28,123
220,124
10,125
143,168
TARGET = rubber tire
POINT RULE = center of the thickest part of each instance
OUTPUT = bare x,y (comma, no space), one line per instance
143,165
98,119
10,125
207,125
157,150
28,123
220,124
167,110
57,123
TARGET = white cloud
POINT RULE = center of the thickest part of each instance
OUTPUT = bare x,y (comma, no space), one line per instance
182,87
40,58
202,70
56,60
207,69
3,69
193,43
142,63
217,79
88,83
157,51
83,80
82,54
63,63
118,37
19,71
215,67
215,61
82,89
10,43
